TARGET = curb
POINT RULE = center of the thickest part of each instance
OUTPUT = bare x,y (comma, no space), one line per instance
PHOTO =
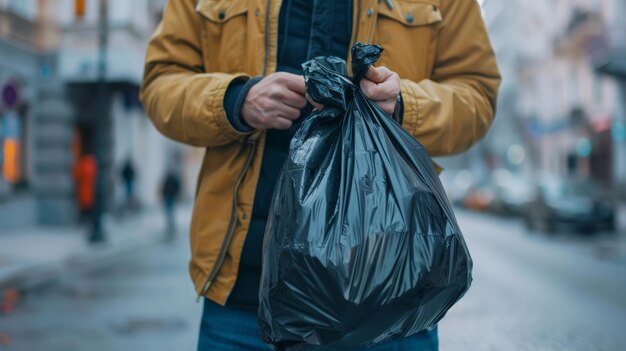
29,277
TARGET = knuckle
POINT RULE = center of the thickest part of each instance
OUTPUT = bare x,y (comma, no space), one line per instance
275,91
264,105
375,91
278,76
367,89
396,89
262,120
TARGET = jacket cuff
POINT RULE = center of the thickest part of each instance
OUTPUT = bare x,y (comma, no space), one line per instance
398,112
410,114
233,102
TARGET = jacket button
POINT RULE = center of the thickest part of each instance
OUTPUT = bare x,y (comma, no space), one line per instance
221,15
244,216
256,13
434,8
409,18
370,12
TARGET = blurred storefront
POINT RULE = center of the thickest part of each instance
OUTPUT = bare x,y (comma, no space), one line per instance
566,108
34,117
49,111
561,109
610,60
128,137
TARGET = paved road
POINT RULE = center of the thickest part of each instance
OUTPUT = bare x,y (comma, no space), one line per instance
530,293
533,292
143,302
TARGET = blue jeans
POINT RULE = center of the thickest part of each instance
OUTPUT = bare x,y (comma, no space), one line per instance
231,329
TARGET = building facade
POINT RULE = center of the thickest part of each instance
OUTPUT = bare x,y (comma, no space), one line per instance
34,117
562,96
50,61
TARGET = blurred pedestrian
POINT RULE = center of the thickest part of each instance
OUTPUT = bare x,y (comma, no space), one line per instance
227,76
85,172
128,177
170,191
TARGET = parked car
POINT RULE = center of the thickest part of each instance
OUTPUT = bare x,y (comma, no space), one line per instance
479,198
457,184
511,193
576,204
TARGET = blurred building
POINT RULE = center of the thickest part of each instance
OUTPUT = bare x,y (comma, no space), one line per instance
127,133
49,61
553,99
610,60
561,109
33,115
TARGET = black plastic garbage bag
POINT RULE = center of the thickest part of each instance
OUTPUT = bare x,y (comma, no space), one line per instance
361,244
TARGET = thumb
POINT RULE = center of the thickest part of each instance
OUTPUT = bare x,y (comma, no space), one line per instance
373,74
378,74
316,106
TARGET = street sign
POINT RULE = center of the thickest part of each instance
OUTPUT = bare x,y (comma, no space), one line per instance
11,95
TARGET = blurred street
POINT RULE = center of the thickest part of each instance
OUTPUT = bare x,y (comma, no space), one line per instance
541,198
531,292
534,292
141,300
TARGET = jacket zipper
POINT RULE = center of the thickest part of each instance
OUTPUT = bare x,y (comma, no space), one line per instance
355,30
267,40
233,221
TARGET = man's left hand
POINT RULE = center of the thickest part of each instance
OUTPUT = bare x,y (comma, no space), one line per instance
382,86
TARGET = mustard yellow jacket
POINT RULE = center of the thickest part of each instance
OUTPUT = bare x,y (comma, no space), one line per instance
439,48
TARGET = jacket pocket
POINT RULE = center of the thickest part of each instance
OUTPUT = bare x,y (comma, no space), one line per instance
411,13
224,34
407,30
221,11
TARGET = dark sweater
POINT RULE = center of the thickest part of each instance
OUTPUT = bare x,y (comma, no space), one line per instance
306,29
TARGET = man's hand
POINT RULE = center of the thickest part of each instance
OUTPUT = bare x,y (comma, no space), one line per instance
382,86
275,101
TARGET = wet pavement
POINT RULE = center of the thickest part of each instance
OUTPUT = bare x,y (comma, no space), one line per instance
537,292
530,292
144,301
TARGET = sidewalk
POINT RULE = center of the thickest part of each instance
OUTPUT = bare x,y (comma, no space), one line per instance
32,257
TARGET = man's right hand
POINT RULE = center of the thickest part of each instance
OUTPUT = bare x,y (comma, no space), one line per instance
274,102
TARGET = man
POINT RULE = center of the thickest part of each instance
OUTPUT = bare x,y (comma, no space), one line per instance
128,177
170,190
225,75
85,172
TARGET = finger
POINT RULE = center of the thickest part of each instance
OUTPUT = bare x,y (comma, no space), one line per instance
280,123
369,88
258,123
315,105
295,83
388,89
286,111
378,74
388,106
294,100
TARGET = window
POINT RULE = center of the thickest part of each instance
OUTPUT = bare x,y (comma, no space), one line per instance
24,8
12,132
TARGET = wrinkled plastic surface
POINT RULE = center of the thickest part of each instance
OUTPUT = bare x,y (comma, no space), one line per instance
361,244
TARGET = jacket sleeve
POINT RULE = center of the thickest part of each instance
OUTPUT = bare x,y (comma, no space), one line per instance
454,108
183,101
